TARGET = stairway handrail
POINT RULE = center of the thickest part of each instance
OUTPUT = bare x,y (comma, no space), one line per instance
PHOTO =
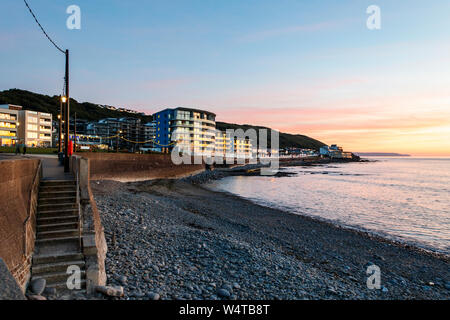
78,202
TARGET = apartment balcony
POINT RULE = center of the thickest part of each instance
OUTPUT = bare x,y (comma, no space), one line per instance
195,119
14,129
193,123
8,133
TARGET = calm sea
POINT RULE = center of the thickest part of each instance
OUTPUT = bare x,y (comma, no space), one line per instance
407,199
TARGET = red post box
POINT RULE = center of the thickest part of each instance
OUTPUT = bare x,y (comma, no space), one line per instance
70,148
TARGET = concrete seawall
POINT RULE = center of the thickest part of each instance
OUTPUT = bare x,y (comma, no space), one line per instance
136,167
88,167
19,186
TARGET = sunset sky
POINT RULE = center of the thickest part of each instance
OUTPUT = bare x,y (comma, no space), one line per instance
308,67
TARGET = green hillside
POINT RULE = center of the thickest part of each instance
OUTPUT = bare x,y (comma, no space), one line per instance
43,103
89,111
286,139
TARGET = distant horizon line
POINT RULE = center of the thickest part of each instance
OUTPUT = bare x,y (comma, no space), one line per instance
402,155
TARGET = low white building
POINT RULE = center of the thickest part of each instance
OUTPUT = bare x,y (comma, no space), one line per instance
24,126
334,151
9,124
35,128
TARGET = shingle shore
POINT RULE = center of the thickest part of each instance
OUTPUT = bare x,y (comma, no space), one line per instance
171,239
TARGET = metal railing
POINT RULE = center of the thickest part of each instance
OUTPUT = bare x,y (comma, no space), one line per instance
78,201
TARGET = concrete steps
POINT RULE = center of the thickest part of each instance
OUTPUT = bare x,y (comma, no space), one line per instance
57,239
72,238
57,183
57,200
60,266
42,227
49,189
54,234
58,277
63,285
61,212
56,219
60,193
48,258
57,206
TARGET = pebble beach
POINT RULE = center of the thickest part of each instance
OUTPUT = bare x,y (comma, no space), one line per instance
174,239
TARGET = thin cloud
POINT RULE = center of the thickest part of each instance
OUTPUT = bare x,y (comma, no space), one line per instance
166,84
271,33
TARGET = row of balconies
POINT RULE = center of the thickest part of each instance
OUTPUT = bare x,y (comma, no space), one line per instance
196,123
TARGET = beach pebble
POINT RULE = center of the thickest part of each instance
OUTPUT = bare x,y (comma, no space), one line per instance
38,285
36,297
223,293
123,280
153,296
227,287
49,291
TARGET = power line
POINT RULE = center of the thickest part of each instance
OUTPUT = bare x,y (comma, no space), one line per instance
45,33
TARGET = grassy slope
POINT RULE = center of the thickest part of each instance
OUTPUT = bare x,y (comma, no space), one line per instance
43,103
286,139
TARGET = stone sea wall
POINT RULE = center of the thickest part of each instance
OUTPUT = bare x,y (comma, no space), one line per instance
19,186
136,167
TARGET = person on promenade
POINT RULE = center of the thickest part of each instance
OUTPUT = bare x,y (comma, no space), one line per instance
24,148
18,147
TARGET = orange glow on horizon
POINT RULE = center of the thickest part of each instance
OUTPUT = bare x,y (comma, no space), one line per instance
359,129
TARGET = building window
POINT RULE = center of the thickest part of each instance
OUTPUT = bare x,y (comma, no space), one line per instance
7,116
7,133
7,125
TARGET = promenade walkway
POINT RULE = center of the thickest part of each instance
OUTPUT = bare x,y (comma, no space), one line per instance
52,169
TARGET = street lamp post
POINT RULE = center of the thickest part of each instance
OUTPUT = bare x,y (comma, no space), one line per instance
75,132
59,133
66,116
61,101
117,140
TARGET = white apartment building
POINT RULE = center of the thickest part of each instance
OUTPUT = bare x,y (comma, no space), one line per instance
9,124
192,130
229,146
35,128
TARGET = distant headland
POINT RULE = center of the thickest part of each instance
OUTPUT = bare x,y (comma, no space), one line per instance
381,154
